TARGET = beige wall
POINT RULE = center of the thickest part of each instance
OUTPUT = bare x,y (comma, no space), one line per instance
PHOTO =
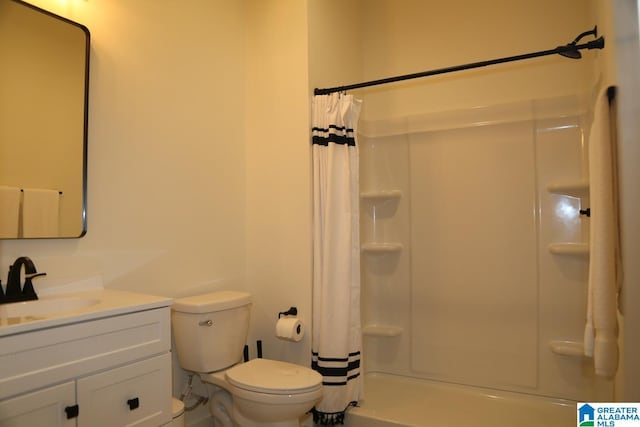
335,51
287,48
422,36
166,205
277,170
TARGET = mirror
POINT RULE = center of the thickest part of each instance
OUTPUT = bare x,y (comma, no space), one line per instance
44,83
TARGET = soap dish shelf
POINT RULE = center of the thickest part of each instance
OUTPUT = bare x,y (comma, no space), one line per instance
381,195
573,189
572,249
381,248
567,348
382,331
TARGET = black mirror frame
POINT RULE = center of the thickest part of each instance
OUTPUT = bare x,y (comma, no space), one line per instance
85,132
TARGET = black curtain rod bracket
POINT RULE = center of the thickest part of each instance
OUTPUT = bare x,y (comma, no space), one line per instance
571,50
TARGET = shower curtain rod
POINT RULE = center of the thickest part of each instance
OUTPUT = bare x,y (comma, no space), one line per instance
571,50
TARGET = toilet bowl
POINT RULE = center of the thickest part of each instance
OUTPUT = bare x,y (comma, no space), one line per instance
265,392
210,331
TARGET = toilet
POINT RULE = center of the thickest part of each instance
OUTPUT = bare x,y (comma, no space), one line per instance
210,332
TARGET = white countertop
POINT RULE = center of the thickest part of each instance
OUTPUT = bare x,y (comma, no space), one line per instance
60,309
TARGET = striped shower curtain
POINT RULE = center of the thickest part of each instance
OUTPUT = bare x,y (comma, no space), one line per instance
336,341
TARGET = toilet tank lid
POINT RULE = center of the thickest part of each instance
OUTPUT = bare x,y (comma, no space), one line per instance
214,301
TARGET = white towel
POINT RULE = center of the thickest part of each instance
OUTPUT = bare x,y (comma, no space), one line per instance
601,330
9,211
40,213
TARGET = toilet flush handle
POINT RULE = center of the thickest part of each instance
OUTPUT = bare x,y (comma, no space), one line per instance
208,322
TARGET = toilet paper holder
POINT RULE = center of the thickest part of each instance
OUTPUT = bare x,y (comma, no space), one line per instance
293,311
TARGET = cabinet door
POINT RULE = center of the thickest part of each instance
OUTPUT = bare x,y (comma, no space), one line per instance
138,395
44,408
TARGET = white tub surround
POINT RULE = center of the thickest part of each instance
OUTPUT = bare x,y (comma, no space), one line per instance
476,249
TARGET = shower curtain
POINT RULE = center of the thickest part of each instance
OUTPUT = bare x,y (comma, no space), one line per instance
336,339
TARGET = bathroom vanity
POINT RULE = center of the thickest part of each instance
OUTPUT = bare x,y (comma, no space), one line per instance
92,358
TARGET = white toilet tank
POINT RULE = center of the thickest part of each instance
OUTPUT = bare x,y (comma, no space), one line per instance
210,330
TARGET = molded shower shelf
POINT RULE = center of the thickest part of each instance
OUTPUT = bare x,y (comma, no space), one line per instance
381,195
567,348
577,249
381,331
575,189
381,248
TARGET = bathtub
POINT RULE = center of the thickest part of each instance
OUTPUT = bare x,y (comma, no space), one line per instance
401,401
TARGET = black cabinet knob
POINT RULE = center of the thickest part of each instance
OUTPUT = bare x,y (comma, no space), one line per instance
133,403
72,411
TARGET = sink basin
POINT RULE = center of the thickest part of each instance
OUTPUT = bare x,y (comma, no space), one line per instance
57,309
45,306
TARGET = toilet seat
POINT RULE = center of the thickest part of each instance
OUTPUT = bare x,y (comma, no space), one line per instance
273,377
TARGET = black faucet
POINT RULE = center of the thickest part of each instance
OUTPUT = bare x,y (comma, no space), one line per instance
17,292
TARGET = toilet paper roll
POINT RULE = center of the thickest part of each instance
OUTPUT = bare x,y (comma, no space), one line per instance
289,328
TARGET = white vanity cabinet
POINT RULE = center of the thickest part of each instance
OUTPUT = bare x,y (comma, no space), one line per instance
106,371
132,395
40,408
